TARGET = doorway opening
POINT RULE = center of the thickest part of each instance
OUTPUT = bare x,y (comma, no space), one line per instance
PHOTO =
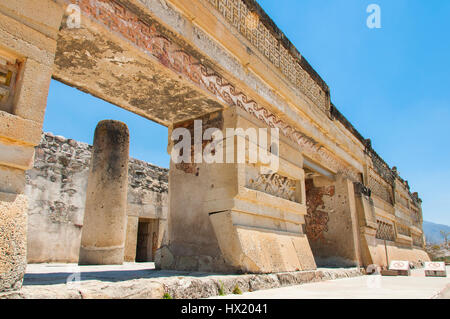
147,239
56,185
329,223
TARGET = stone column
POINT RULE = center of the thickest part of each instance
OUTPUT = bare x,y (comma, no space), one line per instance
105,221
28,33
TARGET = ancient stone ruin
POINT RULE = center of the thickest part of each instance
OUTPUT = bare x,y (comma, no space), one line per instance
56,189
333,200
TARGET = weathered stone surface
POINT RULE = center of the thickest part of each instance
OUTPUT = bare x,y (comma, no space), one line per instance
151,90
331,223
133,289
13,234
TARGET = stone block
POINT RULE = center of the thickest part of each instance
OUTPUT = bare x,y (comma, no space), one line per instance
12,180
25,42
44,15
31,95
14,155
131,239
259,250
17,129
164,258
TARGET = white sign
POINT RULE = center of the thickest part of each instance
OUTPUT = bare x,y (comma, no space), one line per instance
399,265
435,269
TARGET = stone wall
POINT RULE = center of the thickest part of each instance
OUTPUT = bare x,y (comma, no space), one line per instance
56,188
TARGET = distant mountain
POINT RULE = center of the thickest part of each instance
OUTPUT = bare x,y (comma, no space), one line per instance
433,232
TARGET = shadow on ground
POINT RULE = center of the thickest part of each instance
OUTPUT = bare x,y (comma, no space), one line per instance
42,277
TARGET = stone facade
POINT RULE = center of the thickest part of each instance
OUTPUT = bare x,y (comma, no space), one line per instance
56,188
241,216
173,61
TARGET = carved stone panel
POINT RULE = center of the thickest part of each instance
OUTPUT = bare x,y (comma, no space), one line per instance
247,21
385,231
417,240
403,230
380,188
274,184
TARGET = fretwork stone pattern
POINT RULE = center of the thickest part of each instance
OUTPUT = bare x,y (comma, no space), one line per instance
250,26
385,231
380,188
276,185
403,200
417,240
404,230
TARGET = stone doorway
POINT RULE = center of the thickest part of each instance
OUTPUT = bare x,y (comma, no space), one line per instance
147,240
331,221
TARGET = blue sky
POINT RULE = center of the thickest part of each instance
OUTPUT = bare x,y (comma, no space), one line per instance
391,83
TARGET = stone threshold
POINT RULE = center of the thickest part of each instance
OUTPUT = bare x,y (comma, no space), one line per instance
177,285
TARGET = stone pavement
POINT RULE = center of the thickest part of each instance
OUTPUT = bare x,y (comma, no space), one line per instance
365,287
141,280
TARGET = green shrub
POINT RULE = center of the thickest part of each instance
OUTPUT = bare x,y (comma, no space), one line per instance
167,296
221,289
237,290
